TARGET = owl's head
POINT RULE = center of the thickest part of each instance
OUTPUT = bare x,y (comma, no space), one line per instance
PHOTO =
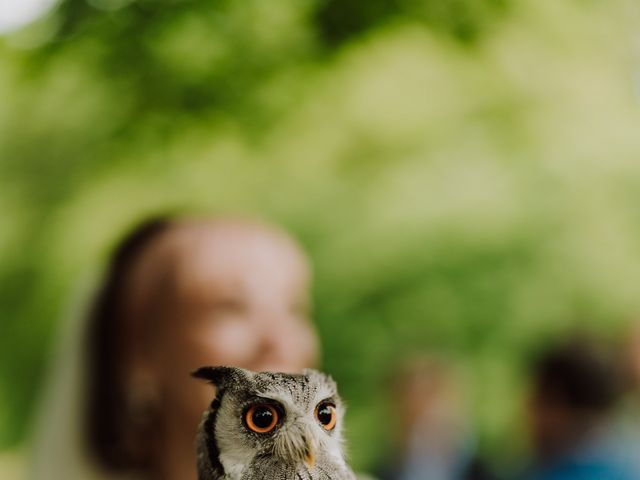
271,425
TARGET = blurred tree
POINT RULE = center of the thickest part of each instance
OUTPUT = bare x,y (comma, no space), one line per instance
339,21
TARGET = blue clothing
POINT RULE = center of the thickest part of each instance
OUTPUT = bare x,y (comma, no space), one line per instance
576,471
607,457
425,459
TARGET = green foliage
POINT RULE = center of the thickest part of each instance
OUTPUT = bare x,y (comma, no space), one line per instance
464,20
472,197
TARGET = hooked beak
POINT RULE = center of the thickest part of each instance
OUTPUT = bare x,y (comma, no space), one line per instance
297,445
310,458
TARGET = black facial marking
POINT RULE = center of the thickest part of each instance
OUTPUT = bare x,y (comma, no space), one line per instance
209,426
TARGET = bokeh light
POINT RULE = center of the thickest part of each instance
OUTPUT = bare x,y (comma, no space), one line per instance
15,14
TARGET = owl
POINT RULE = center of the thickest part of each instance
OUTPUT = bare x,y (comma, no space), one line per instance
271,426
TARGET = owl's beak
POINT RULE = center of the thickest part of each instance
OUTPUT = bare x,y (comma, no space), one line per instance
310,459
297,445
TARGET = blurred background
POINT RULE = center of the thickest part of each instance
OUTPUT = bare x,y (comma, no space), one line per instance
464,174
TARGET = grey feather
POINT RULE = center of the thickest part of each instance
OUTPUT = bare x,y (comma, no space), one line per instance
297,446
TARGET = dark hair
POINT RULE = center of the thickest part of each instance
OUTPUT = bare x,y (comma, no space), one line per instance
579,374
106,422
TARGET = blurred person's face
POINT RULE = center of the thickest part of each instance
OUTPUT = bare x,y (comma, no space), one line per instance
430,408
550,424
429,396
239,297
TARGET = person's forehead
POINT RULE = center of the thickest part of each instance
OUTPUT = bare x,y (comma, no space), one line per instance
238,258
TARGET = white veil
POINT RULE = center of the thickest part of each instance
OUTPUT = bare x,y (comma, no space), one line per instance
58,450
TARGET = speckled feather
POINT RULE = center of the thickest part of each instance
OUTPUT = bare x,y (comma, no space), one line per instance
228,450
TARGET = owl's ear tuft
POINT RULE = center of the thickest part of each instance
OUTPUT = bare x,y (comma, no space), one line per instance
220,376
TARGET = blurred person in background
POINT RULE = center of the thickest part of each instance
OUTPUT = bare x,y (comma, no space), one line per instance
629,415
178,294
634,361
572,409
435,441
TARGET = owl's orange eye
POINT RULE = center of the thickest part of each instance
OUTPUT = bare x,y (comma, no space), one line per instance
261,418
326,415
